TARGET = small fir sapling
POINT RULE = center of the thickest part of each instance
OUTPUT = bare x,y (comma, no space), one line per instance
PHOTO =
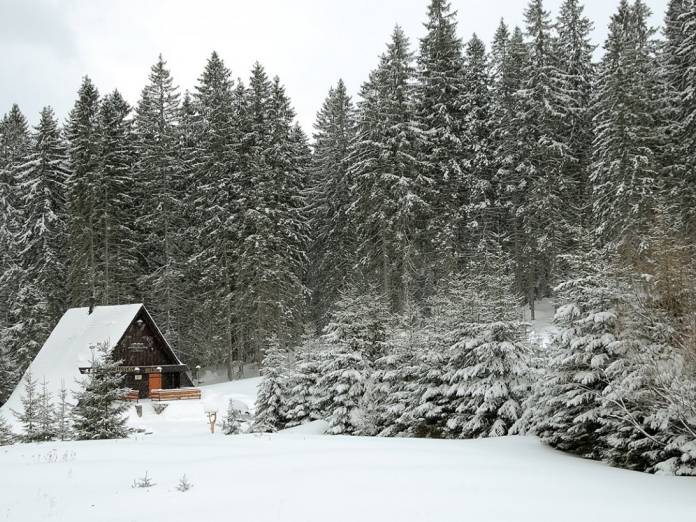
234,418
63,414
143,482
28,417
46,415
6,435
184,485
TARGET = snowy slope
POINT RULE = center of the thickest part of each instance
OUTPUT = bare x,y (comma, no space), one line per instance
298,477
301,475
68,347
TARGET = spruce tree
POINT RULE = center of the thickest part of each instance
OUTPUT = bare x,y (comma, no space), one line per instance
100,407
678,66
452,304
63,415
301,407
625,174
7,437
118,264
543,221
392,386
271,407
341,388
387,183
41,243
332,247
487,366
482,212
361,321
510,58
29,416
576,70
14,146
273,232
569,413
46,428
214,199
231,424
439,113
82,186
156,120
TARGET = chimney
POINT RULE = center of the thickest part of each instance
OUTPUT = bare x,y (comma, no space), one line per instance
91,305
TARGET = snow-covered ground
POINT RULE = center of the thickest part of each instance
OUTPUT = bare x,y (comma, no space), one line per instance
190,417
302,475
542,327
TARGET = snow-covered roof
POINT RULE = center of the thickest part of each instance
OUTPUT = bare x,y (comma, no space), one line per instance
68,348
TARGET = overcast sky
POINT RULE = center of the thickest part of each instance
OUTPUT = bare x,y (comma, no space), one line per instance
48,45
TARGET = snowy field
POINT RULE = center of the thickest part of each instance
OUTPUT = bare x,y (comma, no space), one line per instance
301,475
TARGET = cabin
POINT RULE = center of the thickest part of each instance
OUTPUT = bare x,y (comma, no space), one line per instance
151,368
147,360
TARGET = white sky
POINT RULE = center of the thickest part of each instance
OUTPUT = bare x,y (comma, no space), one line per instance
48,45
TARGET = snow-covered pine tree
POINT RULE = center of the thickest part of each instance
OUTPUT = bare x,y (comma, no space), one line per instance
161,183
46,428
40,242
8,372
487,366
232,422
393,383
482,212
569,413
439,113
63,414
285,200
341,388
510,58
453,304
118,266
213,201
332,247
197,342
272,397
99,411
14,145
576,73
273,231
625,173
7,437
82,188
388,210
679,105
29,416
651,389
360,320
302,383
544,222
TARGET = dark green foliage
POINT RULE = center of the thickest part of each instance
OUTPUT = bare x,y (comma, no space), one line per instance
99,412
333,241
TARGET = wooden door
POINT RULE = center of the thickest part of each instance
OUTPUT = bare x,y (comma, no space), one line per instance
155,381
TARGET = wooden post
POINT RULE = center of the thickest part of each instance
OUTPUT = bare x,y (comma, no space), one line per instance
212,419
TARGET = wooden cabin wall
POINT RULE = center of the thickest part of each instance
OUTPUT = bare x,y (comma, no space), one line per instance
152,353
